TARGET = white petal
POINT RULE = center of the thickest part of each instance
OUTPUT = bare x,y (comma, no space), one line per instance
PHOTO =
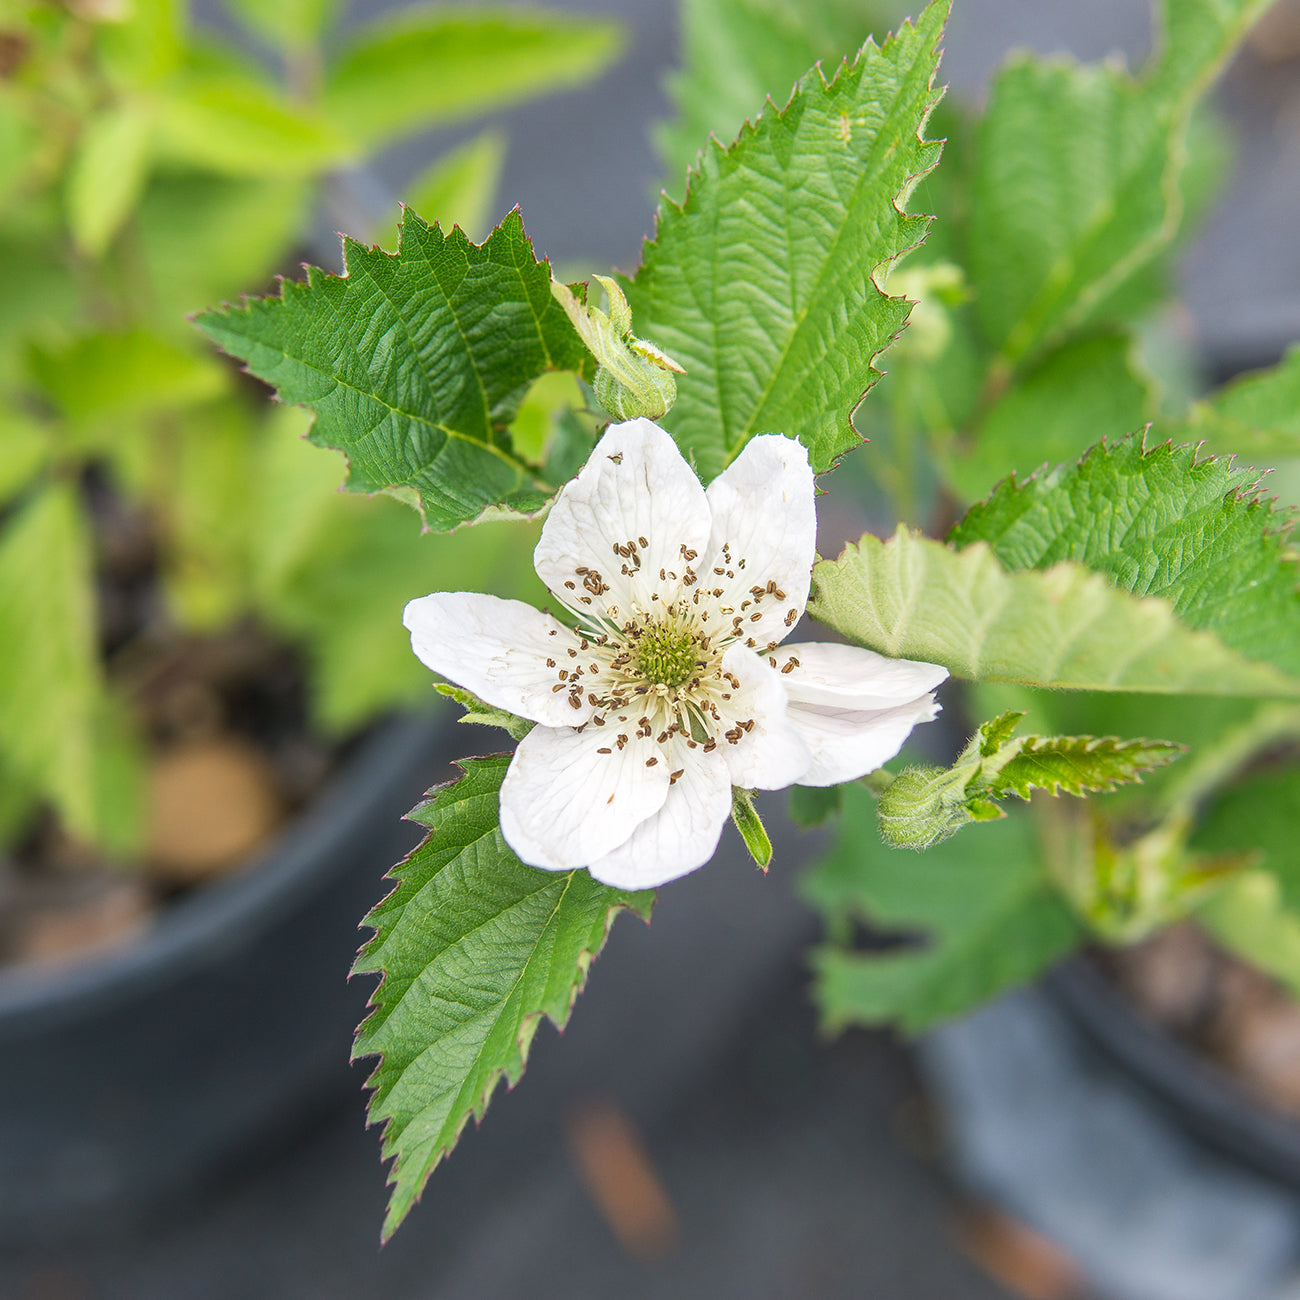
683,834
763,512
499,650
565,804
846,744
849,677
636,485
771,754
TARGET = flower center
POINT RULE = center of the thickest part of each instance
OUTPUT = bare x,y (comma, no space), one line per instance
666,654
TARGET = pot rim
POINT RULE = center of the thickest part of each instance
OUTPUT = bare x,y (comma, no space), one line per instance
1205,1097
208,924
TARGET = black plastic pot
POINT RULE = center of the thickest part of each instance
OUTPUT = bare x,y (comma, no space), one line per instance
140,1074
1202,1096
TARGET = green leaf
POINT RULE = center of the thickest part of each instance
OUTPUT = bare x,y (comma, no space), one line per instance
108,378
49,677
202,504
474,948
480,714
1251,916
914,598
428,66
1160,522
987,915
459,188
333,571
290,24
236,126
760,281
811,805
1257,415
1084,391
27,450
107,175
1077,182
246,229
415,361
1258,814
925,805
736,53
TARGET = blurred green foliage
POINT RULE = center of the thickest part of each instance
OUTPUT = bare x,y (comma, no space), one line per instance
148,169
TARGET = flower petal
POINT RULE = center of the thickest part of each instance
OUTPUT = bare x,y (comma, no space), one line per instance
852,707
763,514
635,486
770,754
565,803
849,677
683,834
499,650
846,744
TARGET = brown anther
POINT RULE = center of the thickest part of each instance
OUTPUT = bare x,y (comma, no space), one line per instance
710,745
673,777
650,762
789,667
643,541
572,586
748,724
550,663
557,688
791,617
575,703
604,751
753,618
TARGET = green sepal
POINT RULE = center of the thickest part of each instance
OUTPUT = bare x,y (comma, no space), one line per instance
751,828
484,715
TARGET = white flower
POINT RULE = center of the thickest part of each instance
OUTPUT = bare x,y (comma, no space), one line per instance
673,686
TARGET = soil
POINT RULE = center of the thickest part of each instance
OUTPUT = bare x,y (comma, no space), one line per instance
229,756
1218,1005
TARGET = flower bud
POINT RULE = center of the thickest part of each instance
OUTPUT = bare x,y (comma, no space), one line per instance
634,378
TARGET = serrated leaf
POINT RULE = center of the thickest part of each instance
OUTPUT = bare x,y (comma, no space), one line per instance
49,678
1162,523
429,66
736,53
458,188
474,949
760,281
415,361
1077,183
914,598
1083,391
107,175
926,805
987,917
